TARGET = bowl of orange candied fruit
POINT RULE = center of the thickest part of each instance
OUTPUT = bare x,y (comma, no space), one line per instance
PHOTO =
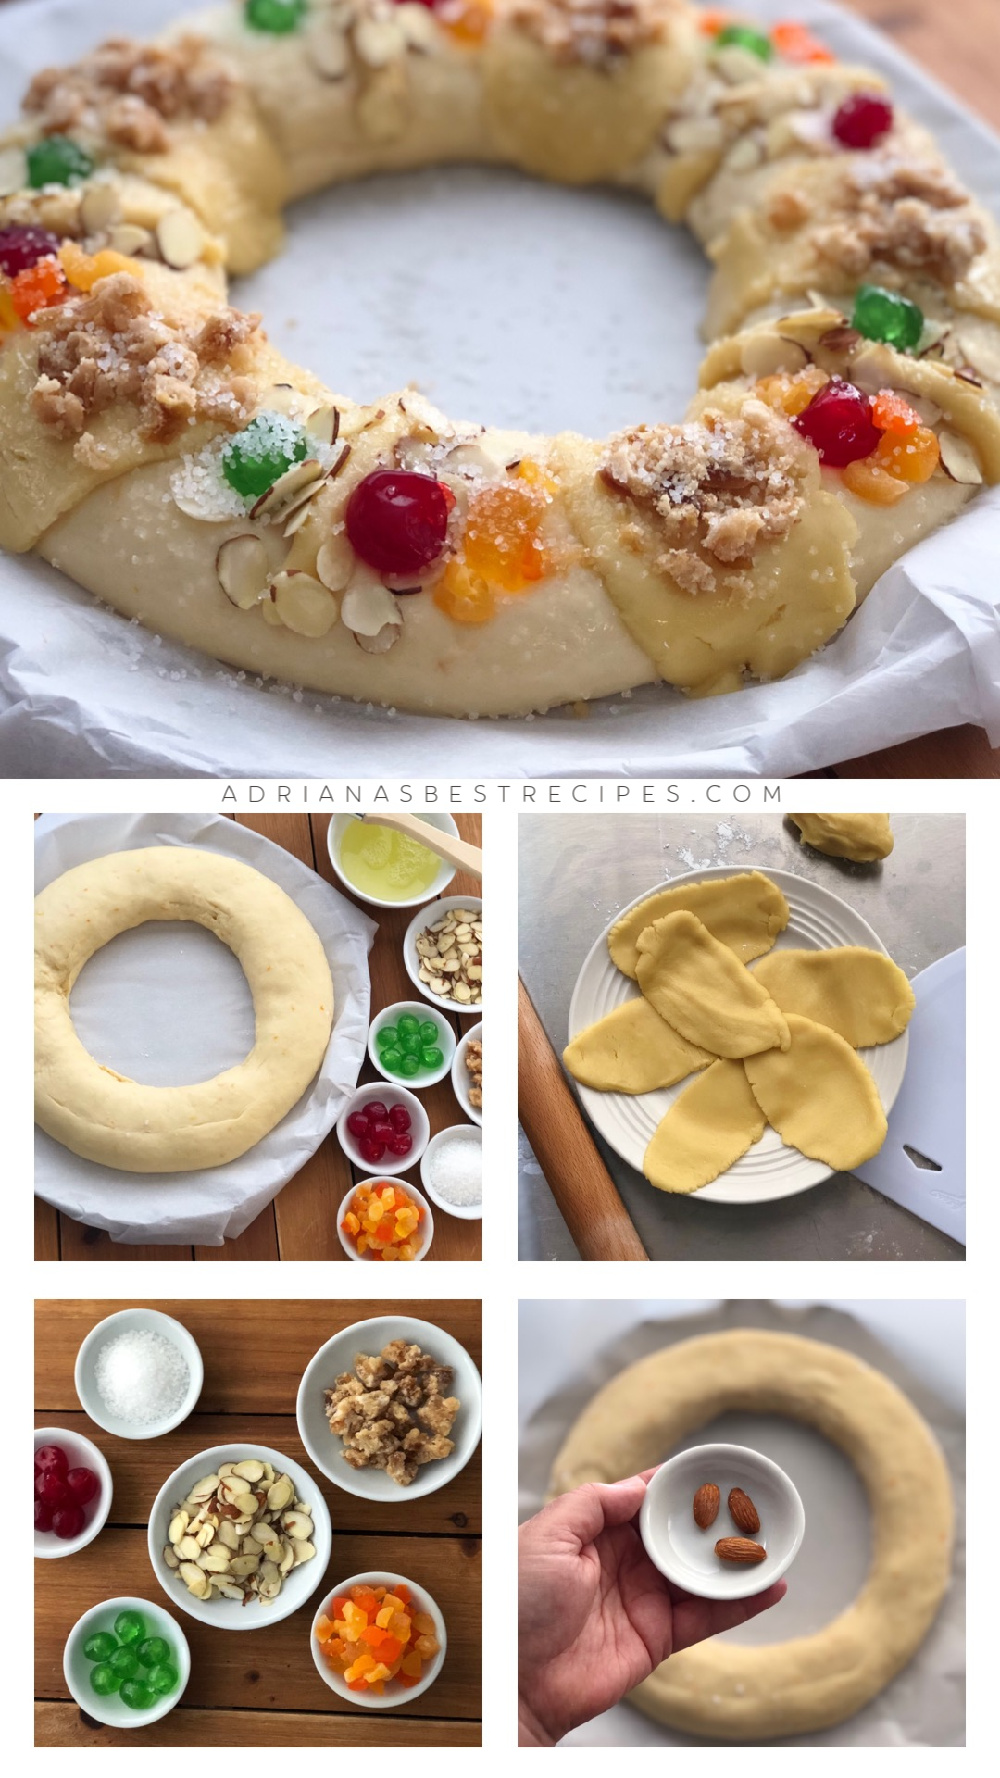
379,1640
385,1219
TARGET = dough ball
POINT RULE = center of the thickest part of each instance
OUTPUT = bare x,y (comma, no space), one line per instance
819,1096
862,838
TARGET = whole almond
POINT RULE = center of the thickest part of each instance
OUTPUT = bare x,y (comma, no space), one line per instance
743,1512
739,1549
706,1505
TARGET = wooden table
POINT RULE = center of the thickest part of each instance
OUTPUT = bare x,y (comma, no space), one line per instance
300,1223
258,1688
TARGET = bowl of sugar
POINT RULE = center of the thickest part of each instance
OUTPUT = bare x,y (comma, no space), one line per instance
451,1171
138,1373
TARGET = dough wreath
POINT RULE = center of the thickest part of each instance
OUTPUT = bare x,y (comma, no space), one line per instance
730,1693
140,1129
560,568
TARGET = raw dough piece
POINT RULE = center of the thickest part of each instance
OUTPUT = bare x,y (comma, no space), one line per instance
700,988
709,1125
861,994
731,1693
819,1096
141,1129
863,838
745,912
632,1050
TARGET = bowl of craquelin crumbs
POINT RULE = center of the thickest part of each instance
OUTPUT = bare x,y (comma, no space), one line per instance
379,1640
390,1409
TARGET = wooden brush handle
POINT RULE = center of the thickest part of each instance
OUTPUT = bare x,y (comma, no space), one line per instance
576,1176
446,845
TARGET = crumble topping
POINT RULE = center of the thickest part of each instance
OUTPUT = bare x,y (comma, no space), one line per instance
113,346
911,215
719,487
593,31
127,92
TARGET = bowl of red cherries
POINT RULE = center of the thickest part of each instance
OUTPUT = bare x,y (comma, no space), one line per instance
72,1491
383,1126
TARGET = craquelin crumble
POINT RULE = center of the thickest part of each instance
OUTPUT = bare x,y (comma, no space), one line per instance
128,92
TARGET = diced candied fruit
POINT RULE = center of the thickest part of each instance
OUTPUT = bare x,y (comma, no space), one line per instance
503,539
399,1625
9,319
411,1664
468,21
796,43
351,1223
423,1623
791,393
324,1628
425,1646
42,286
871,482
463,596
364,1597
384,1617
84,269
893,413
912,458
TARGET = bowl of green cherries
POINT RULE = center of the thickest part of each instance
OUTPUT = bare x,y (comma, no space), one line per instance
410,1045
126,1662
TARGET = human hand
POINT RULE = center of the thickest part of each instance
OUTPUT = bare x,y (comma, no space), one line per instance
594,1616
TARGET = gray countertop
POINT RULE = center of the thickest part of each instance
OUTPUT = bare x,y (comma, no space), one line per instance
578,870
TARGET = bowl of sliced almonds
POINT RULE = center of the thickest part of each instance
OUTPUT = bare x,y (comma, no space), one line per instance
239,1536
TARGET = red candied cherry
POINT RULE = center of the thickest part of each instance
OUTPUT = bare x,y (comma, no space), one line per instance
43,1516
862,120
838,421
54,1491
22,246
67,1521
357,1123
377,1112
52,1457
371,1150
397,520
400,1143
82,1484
381,1131
399,1117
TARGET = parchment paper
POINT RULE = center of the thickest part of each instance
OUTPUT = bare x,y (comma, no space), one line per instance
169,1003
524,305
568,1350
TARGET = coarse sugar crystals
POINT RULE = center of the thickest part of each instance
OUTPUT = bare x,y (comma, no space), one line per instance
455,1169
141,1376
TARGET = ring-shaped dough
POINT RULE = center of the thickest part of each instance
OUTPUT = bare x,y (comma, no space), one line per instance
141,1129
731,1693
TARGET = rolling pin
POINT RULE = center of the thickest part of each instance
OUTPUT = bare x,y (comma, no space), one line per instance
447,845
574,1172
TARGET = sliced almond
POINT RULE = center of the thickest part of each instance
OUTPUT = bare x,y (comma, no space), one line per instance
977,352
368,605
303,604
297,1526
763,355
378,41
241,1566
294,515
429,423
304,1551
281,398
100,208
222,1584
287,1562
280,1494
250,1470
180,239
229,1535
336,562
735,65
13,171
418,27
323,424
204,1489
243,570
386,638
327,52
744,155
130,239
177,1526
215,1560
958,458
281,492
694,135
171,1559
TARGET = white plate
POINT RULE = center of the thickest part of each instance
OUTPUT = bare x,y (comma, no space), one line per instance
819,920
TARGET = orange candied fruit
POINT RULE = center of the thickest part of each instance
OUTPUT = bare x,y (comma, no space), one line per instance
912,456
714,19
791,393
503,537
870,481
467,21
382,1219
84,269
9,319
376,1634
796,43
893,413
464,596
41,286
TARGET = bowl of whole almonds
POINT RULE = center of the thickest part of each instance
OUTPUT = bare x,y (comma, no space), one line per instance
721,1521
239,1536
443,953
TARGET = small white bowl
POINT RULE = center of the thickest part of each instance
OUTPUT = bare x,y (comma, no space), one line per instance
77,1668
426,1227
394,1693
125,1321
446,1044
686,1555
82,1455
460,1074
465,1212
299,1585
420,922
446,872
338,1355
389,1095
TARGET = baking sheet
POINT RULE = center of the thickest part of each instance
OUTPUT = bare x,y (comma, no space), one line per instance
568,1350
85,692
169,1003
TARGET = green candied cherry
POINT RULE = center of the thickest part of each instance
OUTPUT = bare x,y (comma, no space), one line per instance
745,37
409,1025
409,1043
105,1680
129,1627
57,160
125,1662
163,1678
387,1037
431,1056
883,315
137,1694
409,1066
392,1059
99,1647
429,1032
257,456
153,1651
275,16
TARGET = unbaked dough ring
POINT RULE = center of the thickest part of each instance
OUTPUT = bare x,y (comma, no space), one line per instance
729,1693
141,1129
